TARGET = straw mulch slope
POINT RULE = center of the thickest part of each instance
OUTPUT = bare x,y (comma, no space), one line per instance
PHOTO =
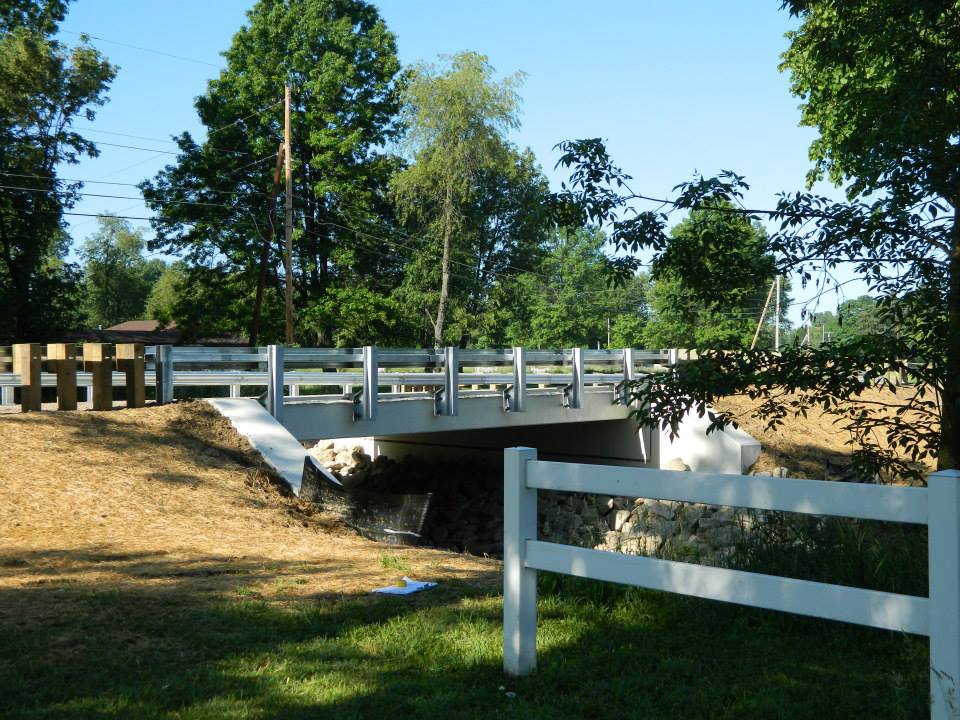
171,495
812,447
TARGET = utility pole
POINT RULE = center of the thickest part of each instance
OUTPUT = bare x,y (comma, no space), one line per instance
776,326
265,250
288,219
762,315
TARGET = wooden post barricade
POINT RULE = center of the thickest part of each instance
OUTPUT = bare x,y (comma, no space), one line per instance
27,361
98,360
130,360
62,361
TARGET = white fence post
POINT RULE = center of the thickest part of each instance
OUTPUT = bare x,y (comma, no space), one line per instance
275,381
519,582
943,496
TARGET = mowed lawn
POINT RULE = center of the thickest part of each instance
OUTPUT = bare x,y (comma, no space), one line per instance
149,570
76,651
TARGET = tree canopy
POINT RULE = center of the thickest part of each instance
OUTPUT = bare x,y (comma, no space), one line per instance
118,278
44,87
878,79
464,182
214,203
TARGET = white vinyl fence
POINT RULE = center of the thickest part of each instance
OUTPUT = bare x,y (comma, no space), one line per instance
937,506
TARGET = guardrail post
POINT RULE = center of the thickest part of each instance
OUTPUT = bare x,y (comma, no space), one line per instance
517,399
6,395
369,395
275,381
163,361
62,360
943,498
131,360
519,581
447,404
98,360
234,391
629,375
27,364
573,393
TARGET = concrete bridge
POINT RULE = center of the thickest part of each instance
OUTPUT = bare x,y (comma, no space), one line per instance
571,404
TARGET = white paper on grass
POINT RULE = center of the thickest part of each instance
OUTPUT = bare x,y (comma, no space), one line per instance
411,587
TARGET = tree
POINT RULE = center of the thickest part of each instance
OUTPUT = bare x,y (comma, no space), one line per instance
44,87
118,278
455,117
710,282
566,301
878,79
166,293
213,204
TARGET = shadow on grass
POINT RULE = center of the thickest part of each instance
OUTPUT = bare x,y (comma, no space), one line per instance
149,648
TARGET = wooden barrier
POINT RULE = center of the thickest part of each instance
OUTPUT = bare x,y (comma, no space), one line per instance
130,360
98,360
62,361
27,361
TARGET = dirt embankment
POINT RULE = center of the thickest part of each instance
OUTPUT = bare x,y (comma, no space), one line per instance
815,446
172,495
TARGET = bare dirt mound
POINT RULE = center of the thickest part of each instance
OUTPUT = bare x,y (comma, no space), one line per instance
171,494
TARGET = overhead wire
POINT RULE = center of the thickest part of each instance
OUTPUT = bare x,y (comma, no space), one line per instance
139,47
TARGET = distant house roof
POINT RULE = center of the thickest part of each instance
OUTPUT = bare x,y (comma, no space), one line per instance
137,326
148,332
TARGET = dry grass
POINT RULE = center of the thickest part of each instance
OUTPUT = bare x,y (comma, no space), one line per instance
803,445
172,496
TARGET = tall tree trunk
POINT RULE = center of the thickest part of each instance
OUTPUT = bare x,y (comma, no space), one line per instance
439,325
949,456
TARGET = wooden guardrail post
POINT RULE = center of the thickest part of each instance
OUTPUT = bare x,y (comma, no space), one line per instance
62,360
130,360
27,364
98,360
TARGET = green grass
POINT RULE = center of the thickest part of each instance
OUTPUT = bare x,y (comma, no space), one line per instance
69,650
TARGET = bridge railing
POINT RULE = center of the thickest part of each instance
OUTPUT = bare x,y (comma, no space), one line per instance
937,506
359,373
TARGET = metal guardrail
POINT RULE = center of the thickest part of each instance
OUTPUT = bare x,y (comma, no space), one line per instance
441,372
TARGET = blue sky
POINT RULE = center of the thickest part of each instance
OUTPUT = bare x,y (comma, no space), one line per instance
674,87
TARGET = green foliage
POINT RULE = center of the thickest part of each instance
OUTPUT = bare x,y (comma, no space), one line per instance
118,278
361,317
341,63
878,79
467,190
163,298
574,302
44,87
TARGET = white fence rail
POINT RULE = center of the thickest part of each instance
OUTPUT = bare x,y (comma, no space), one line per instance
937,506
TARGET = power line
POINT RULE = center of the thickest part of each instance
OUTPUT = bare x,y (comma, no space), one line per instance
121,184
153,139
117,197
139,47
